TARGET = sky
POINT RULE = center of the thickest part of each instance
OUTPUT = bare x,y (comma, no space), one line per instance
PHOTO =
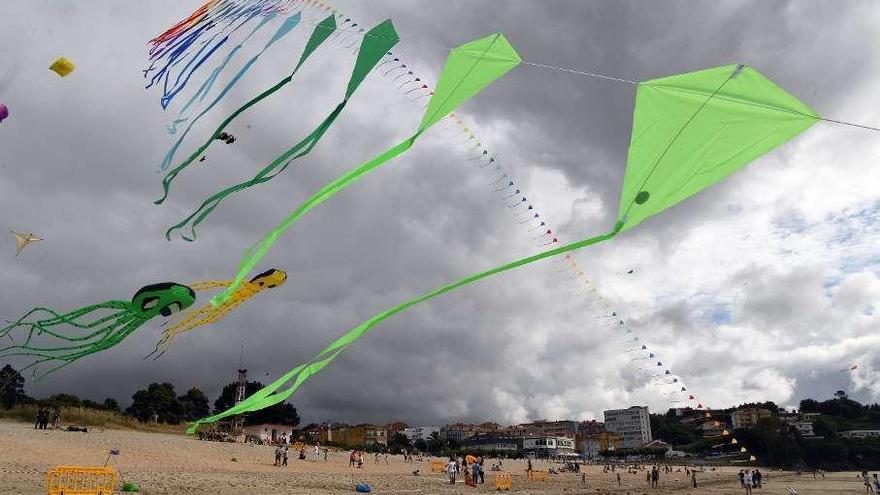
762,287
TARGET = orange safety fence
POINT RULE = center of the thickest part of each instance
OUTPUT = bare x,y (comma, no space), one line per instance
80,480
538,475
503,481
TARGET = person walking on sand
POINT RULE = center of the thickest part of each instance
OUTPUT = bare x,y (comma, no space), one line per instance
694,478
757,477
618,479
284,456
351,459
742,478
56,419
38,418
277,456
747,482
451,467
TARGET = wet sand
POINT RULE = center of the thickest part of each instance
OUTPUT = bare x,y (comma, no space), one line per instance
178,464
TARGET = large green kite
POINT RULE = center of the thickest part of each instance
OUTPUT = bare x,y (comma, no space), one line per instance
689,131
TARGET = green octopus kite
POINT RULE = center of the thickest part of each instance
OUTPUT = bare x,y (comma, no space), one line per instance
689,131
88,336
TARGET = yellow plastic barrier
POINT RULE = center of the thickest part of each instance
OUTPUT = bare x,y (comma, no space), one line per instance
80,480
503,481
538,475
438,466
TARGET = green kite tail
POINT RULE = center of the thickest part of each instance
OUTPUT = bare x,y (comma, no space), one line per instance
469,69
689,131
322,31
377,42
271,395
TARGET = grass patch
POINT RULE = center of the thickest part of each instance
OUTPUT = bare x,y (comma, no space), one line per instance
85,416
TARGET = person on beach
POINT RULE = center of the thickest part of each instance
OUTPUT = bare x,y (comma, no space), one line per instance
618,479
483,473
742,478
277,456
694,478
38,419
284,456
351,459
747,482
655,477
451,468
757,476
648,477
56,419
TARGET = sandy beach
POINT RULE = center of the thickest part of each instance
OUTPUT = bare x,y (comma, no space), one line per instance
178,464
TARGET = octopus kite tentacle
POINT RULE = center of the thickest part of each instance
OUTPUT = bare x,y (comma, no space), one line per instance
82,331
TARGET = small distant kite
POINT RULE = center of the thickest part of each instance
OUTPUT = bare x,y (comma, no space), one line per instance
208,313
851,368
4,112
63,67
93,328
22,241
228,138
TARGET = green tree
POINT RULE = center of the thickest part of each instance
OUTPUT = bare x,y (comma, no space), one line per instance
195,404
64,400
282,413
399,441
111,404
436,443
421,445
159,401
13,387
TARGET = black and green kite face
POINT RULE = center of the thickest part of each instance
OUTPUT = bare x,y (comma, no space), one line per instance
162,299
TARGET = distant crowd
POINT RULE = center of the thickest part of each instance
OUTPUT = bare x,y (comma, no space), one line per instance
44,416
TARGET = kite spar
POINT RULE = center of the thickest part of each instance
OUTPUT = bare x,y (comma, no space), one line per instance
689,131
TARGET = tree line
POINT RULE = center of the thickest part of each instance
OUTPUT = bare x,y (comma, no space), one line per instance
158,402
778,444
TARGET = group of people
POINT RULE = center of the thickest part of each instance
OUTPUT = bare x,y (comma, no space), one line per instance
872,484
44,416
473,474
282,453
750,479
356,459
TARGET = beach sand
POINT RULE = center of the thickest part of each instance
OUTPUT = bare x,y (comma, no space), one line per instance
178,464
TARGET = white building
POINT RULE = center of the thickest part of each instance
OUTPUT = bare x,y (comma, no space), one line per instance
633,424
547,446
269,433
420,432
860,434
805,428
